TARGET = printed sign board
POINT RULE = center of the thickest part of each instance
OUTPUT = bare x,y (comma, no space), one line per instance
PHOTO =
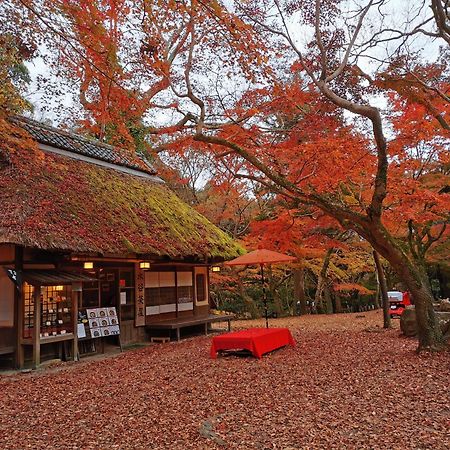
103,322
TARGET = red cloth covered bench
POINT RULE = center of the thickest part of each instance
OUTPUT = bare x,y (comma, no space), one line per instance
256,340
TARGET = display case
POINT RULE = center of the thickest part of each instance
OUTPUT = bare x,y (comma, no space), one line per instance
56,311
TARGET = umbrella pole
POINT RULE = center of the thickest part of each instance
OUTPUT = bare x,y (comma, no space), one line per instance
264,297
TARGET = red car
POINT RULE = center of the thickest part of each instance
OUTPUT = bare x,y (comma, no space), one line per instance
398,301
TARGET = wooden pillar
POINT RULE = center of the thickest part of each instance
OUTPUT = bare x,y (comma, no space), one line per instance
207,282
176,292
75,300
37,328
20,355
178,334
18,308
194,293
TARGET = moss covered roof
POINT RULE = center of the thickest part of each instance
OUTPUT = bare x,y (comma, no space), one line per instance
53,202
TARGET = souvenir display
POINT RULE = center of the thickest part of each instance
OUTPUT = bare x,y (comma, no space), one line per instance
102,322
56,310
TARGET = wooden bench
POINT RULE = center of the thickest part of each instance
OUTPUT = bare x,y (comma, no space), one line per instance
177,324
161,339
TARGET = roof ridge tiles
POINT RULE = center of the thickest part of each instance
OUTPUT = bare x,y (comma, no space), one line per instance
76,143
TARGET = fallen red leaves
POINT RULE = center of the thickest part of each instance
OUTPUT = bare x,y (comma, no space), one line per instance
341,387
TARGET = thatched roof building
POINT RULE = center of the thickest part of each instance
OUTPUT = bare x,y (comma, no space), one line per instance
89,231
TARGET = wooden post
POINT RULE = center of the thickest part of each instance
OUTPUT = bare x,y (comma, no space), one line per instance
178,334
19,308
75,297
176,292
206,328
37,328
20,356
264,297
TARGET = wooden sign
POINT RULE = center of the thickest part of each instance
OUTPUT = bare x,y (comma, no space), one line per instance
139,320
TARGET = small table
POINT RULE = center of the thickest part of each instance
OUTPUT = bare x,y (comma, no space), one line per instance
257,340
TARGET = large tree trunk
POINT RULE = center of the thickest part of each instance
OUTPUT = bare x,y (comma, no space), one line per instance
429,332
383,289
299,289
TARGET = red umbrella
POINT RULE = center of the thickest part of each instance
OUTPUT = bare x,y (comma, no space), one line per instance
261,257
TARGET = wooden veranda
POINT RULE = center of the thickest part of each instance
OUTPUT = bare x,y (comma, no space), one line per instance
178,323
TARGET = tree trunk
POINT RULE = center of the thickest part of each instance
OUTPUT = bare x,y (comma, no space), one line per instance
338,302
428,330
383,289
328,300
299,289
321,281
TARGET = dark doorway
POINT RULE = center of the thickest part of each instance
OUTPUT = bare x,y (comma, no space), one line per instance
109,287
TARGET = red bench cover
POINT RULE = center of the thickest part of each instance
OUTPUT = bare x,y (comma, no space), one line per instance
257,340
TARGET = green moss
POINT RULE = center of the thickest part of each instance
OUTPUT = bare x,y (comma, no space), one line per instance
73,205
152,218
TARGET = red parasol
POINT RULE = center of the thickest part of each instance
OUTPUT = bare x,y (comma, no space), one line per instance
261,257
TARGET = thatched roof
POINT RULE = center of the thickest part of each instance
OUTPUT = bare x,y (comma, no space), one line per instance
55,202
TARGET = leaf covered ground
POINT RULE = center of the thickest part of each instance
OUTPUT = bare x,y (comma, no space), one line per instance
347,384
